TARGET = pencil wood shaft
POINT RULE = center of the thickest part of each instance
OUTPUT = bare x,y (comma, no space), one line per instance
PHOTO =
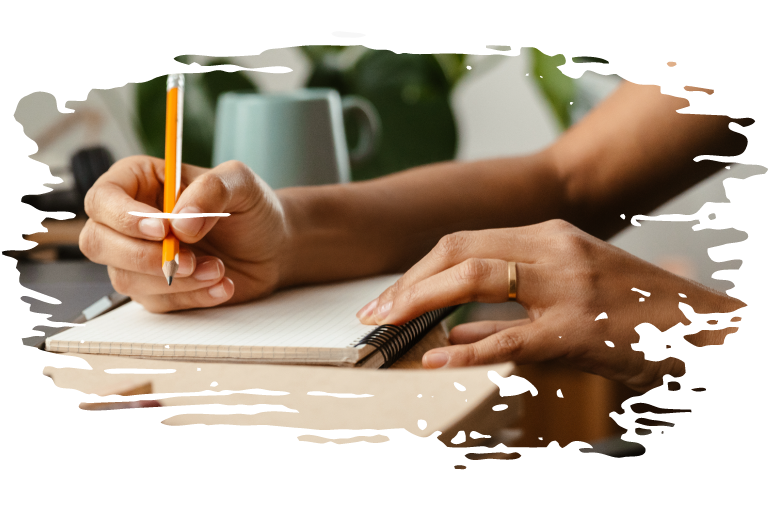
173,114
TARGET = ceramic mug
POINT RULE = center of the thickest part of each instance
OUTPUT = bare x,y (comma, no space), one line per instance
297,138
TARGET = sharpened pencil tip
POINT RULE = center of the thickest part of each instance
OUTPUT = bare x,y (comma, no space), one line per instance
169,269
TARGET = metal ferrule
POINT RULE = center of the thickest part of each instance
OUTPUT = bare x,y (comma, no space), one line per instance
175,81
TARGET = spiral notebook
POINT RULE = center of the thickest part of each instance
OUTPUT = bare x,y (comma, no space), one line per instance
313,325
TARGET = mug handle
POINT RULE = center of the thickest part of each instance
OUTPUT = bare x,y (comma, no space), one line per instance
369,127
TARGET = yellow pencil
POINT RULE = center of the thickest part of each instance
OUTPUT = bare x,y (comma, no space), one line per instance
174,114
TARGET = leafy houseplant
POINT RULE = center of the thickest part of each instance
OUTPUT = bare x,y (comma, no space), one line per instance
411,93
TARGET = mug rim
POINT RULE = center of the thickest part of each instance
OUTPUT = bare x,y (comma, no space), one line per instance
284,96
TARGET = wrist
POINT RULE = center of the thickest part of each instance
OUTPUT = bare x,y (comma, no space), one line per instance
288,261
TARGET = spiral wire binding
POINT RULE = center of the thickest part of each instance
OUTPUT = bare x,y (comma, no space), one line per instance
394,341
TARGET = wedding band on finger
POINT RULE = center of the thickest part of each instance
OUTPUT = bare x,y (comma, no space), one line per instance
512,274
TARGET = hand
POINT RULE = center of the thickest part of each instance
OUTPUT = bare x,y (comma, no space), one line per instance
228,259
565,279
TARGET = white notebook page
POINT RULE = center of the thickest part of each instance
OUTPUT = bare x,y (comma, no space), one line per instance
315,317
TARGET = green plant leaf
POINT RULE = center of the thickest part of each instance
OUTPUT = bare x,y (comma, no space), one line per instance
454,66
557,88
588,59
150,115
412,95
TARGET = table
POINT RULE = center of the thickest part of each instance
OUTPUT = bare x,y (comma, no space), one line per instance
314,397
581,415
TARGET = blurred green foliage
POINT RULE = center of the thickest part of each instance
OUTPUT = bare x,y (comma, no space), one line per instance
558,89
411,93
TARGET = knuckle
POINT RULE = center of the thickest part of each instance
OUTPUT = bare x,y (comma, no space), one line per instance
559,226
134,159
239,168
88,201
472,271
87,240
575,243
214,186
241,175
471,355
394,289
450,246
143,167
507,344
408,297
245,176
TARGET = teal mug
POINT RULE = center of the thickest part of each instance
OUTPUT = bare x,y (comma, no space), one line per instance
297,138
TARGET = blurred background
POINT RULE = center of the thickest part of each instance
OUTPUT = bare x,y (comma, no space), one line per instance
432,108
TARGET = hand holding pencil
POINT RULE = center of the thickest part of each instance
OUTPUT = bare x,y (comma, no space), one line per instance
192,258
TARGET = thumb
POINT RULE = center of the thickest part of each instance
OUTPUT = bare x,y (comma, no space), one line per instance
230,187
523,343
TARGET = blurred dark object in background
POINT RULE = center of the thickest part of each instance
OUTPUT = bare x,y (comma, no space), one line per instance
60,242
76,283
86,166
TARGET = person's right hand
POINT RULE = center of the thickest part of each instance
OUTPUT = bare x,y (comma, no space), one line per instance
233,261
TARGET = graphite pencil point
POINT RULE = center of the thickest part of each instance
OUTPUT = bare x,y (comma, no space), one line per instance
169,269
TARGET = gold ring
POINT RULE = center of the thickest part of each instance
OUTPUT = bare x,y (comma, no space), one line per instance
512,272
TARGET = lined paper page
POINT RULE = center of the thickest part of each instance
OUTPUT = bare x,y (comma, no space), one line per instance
311,317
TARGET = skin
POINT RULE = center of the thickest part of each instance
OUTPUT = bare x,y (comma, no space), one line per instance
452,227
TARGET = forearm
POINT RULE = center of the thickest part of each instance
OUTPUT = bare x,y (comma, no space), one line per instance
386,225
635,152
632,153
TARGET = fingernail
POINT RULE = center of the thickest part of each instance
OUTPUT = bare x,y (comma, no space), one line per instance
218,291
152,227
366,311
436,359
186,263
189,227
207,271
383,311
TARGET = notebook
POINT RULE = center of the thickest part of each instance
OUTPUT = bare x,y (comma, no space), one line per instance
313,325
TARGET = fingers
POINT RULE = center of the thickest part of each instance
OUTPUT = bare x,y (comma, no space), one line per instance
475,279
230,187
521,343
512,244
136,184
131,184
105,246
211,296
472,332
208,272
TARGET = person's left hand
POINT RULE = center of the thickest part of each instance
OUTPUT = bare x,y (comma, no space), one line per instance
565,279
